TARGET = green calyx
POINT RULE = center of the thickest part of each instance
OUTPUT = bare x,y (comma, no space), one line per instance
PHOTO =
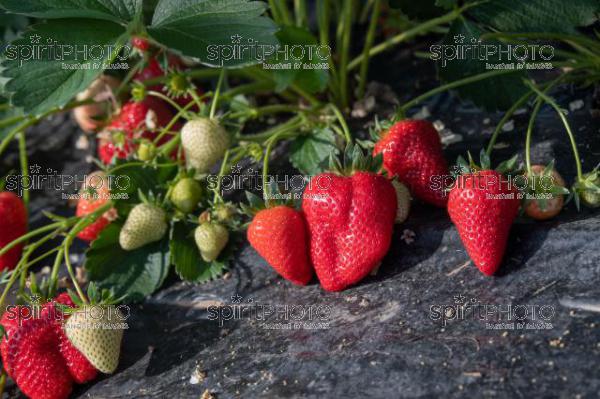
178,84
146,150
355,160
138,92
376,133
271,198
463,166
587,190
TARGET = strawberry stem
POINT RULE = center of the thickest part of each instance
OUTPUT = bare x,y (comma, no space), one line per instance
534,113
565,122
346,35
364,65
408,34
34,120
25,258
217,195
124,84
195,97
24,167
72,274
179,114
514,107
34,233
165,98
347,136
215,99
457,83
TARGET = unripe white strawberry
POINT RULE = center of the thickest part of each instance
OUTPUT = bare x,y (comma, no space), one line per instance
186,194
403,201
211,238
204,142
96,331
145,223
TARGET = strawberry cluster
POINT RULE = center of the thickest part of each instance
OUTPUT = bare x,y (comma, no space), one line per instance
342,232
37,354
344,227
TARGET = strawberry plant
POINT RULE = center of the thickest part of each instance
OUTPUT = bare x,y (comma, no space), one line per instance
178,94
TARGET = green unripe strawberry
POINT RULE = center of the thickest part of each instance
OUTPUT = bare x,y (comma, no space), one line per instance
224,212
146,223
204,142
589,196
211,238
146,151
186,194
403,201
96,332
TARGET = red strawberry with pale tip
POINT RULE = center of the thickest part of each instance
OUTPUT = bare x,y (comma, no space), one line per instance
79,367
279,235
38,367
483,206
412,150
350,216
13,224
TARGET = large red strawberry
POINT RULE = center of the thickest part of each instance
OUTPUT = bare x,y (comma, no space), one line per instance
11,321
93,195
38,367
279,235
350,221
13,224
483,206
412,150
80,368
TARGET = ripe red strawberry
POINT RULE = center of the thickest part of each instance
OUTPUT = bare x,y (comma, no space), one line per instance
350,222
412,150
483,206
131,124
13,224
134,115
140,43
11,321
93,195
80,368
38,368
150,71
279,235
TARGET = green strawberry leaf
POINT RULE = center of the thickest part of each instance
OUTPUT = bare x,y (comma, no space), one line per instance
129,179
189,265
39,84
310,153
110,10
10,117
134,274
536,15
211,30
506,89
311,80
